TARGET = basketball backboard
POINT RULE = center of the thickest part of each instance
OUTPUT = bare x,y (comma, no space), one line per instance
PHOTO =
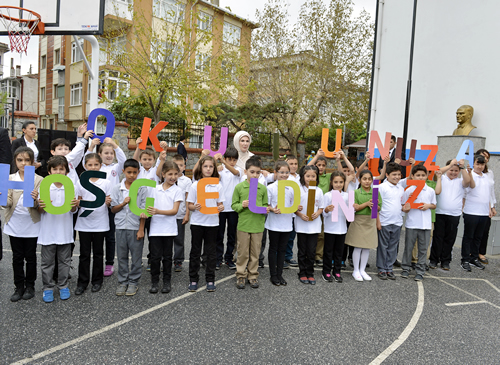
63,16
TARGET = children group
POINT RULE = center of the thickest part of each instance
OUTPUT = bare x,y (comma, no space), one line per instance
112,230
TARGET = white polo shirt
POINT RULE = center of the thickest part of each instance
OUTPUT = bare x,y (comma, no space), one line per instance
229,181
114,170
450,201
164,225
279,222
339,227
478,200
493,199
32,146
314,226
184,183
149,174
392,199
198,218
262,179
416,218
98,220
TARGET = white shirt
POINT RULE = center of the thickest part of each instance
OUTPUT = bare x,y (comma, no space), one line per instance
229,181
392,199
198,218
262,179
450,200
478,200
125,219
279,222
21,224
74,158
98,220
493,199
353,185
339,227
56,229
416,218
184,183
32,145
314,226
164,225
114,170
149,174
294,178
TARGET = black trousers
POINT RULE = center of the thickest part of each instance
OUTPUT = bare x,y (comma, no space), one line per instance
443,239
161,248
484,239
110,240
306,244
474,226
206,238
232,222
24,250
347,249
276,254
333,250
91,243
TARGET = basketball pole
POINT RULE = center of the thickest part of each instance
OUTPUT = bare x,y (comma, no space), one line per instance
94,70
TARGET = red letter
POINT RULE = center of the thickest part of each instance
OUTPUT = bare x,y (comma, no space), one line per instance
375,140
420,185
152,135
432,154
399,148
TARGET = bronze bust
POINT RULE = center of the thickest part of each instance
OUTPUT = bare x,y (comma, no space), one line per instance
464,120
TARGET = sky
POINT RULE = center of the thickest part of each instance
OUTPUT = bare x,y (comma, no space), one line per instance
245,9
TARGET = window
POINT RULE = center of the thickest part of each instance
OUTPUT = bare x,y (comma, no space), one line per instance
103,51
54,93
204,21
231,34
57,57
61,109
10,87
42,94
202,62
76,94
170,10
118,46
43,63
76,55
197,106
115,83
229,70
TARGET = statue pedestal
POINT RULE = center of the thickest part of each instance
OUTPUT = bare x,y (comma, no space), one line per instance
450,145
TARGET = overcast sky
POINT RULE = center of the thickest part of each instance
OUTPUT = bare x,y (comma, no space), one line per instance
243,8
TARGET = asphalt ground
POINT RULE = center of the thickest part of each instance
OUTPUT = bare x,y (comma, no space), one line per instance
450,317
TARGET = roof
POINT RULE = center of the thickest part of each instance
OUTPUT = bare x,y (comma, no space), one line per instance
251,24
359,144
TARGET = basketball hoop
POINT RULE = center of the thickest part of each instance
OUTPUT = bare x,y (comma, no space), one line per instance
20,29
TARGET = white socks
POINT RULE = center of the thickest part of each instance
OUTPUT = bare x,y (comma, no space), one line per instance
359,260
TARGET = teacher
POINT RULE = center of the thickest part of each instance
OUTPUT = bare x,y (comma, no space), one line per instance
28,140
241,142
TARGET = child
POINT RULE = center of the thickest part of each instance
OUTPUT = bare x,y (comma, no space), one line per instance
167,199
334,231
362,233
308,228
146,159
293,163
204,227
229,177
390,222
22,225
478,208
250,226
450,189
278,225
129,230
418,224
484,240
56,235
108,151
92,228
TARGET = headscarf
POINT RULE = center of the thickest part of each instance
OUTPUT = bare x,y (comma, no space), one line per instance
243,156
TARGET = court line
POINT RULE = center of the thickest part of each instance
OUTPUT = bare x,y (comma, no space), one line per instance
464,303
407,331
112,326
477,279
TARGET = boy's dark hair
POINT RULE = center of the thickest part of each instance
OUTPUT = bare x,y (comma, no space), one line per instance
363,173
392,167
26,124
59,142
333,175
182,138
393,137
55,161
93,156
359,163
417,168
147,151
24,149
481,151
197,173
344,165
131,163
479,159
303,171
253,161
231,152
291,157
448,162
279,164
321,158
169,165
178,157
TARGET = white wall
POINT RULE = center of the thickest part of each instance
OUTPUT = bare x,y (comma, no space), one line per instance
456,60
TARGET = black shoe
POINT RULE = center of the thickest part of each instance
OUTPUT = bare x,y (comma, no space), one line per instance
319,263
390,275
382,275
338,278
477,264
218,265
426,267
283,282
18,294
433,265
397,263
413,265
445,267
483,261
275,281
79,290
96,288
154,288
167,287
466,266
261,264
29,293
178,267
327,277
367,266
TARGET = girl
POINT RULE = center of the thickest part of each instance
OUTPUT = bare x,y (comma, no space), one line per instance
362,233
23,226
308,228
163,229
484,240
334,231
204,227
92,228
277,224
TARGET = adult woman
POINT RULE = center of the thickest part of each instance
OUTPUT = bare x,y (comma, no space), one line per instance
242,142
28,140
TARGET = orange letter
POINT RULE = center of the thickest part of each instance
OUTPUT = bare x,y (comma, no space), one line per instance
432,154
324,142
152,135
203,195
420,185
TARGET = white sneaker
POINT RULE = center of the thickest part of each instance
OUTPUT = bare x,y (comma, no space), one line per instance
365,276
357,276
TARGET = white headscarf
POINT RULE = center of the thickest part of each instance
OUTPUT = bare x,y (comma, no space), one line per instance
243,156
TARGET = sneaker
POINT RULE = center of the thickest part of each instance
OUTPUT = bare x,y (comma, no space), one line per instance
218,265
357,276
405,274
167,287
465,265
293,263
477,264
365,276
121,290
433,265
338,278
327,277
382,275
193,286
240,283
178,267
254,284
390,275
64,294
319,263
231,265
419,277
312,281
344,266
211,286
154,288
48,296
18,294
148,268
304,280
29,293
286,265
131,290
261,264
445,267
109,270
79,290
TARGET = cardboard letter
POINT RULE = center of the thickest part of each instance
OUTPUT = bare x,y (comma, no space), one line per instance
207,138
202,195
461,154
375,198
399,148
69,193
338,140
430,158
252,198
324,142
338,202
151,135
276,146
420,185
311,199
133,192
110,122
100,196
282,184
375,140
28,185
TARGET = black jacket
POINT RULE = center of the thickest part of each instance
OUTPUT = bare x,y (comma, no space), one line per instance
181,150
5,147
21,142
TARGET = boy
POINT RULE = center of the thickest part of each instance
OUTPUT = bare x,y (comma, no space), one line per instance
229,178
56,235
250,226
390,221
293,163
146,159
418,224
129,230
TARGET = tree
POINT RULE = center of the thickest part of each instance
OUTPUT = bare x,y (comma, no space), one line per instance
318,69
